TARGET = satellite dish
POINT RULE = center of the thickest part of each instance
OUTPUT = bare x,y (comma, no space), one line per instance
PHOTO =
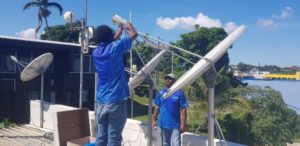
36,67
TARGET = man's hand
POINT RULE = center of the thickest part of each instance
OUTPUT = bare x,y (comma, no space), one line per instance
131,30
119,32
154,124
182,128
183,114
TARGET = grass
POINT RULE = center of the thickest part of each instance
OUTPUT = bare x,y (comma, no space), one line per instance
297,140
143,118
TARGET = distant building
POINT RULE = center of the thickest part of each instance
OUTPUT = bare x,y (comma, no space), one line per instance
254,71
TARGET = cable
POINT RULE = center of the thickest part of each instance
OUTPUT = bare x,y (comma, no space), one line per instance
294,107
155,86
220,131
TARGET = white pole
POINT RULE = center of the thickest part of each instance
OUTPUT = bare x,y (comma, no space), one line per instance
83,38
81,78
95,105
191,53
42,102
211,116
131,70
149,132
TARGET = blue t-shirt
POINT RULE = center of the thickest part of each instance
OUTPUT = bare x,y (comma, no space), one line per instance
169,112
112,81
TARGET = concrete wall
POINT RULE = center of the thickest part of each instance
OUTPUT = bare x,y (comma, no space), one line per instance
134,133
49,111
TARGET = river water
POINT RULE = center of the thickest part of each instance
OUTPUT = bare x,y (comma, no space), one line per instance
290,90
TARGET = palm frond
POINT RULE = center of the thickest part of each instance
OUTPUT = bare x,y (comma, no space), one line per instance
56,5
31,4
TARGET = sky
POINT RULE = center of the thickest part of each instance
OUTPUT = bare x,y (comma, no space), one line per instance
271,36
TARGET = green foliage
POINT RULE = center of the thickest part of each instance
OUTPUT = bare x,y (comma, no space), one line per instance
232,100
63,33
143,118
269,120
201,42
6,122
196,91
245,67
273,122
142,54
236,127
196,116
142,90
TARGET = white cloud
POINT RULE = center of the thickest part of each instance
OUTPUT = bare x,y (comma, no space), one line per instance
266,22
189,22
205,21
230,27
286,12
28,33
178,22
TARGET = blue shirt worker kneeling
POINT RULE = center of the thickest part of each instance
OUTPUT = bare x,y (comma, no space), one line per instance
172,114
112,90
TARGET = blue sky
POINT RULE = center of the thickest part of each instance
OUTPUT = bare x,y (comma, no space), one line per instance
272,26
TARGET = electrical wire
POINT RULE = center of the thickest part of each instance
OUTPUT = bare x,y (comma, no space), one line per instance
294,107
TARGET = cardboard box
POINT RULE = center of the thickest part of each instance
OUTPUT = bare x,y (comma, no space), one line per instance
81,141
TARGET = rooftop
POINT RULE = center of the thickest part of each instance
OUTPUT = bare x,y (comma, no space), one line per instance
25,135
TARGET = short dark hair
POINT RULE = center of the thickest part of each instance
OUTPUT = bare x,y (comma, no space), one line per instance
104,34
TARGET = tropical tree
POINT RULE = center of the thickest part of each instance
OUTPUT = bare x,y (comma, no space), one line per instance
273,122
201,42
44,12
64,33
265,119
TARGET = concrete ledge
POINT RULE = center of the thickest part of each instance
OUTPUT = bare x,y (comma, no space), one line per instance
134,133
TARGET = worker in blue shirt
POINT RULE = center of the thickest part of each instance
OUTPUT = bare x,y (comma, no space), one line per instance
172,114
112,90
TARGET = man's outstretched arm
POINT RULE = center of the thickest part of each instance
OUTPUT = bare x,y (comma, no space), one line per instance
131,30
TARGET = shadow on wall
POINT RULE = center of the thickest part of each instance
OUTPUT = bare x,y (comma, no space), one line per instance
138,109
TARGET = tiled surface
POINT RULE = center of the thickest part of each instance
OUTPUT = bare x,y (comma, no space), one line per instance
25,135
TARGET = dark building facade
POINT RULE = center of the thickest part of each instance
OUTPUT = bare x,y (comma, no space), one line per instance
61,80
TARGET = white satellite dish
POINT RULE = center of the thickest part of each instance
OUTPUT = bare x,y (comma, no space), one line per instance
203,65
36,67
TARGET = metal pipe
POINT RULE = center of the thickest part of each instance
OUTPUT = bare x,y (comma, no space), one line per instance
95,104
131,75
170,45
211,116
81,76
149,132
83,39
42,102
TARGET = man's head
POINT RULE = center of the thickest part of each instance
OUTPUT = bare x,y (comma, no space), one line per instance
104,34
170,80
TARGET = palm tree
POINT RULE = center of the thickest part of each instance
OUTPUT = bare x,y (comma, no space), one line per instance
43,12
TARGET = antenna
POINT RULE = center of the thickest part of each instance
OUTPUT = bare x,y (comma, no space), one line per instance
36,67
